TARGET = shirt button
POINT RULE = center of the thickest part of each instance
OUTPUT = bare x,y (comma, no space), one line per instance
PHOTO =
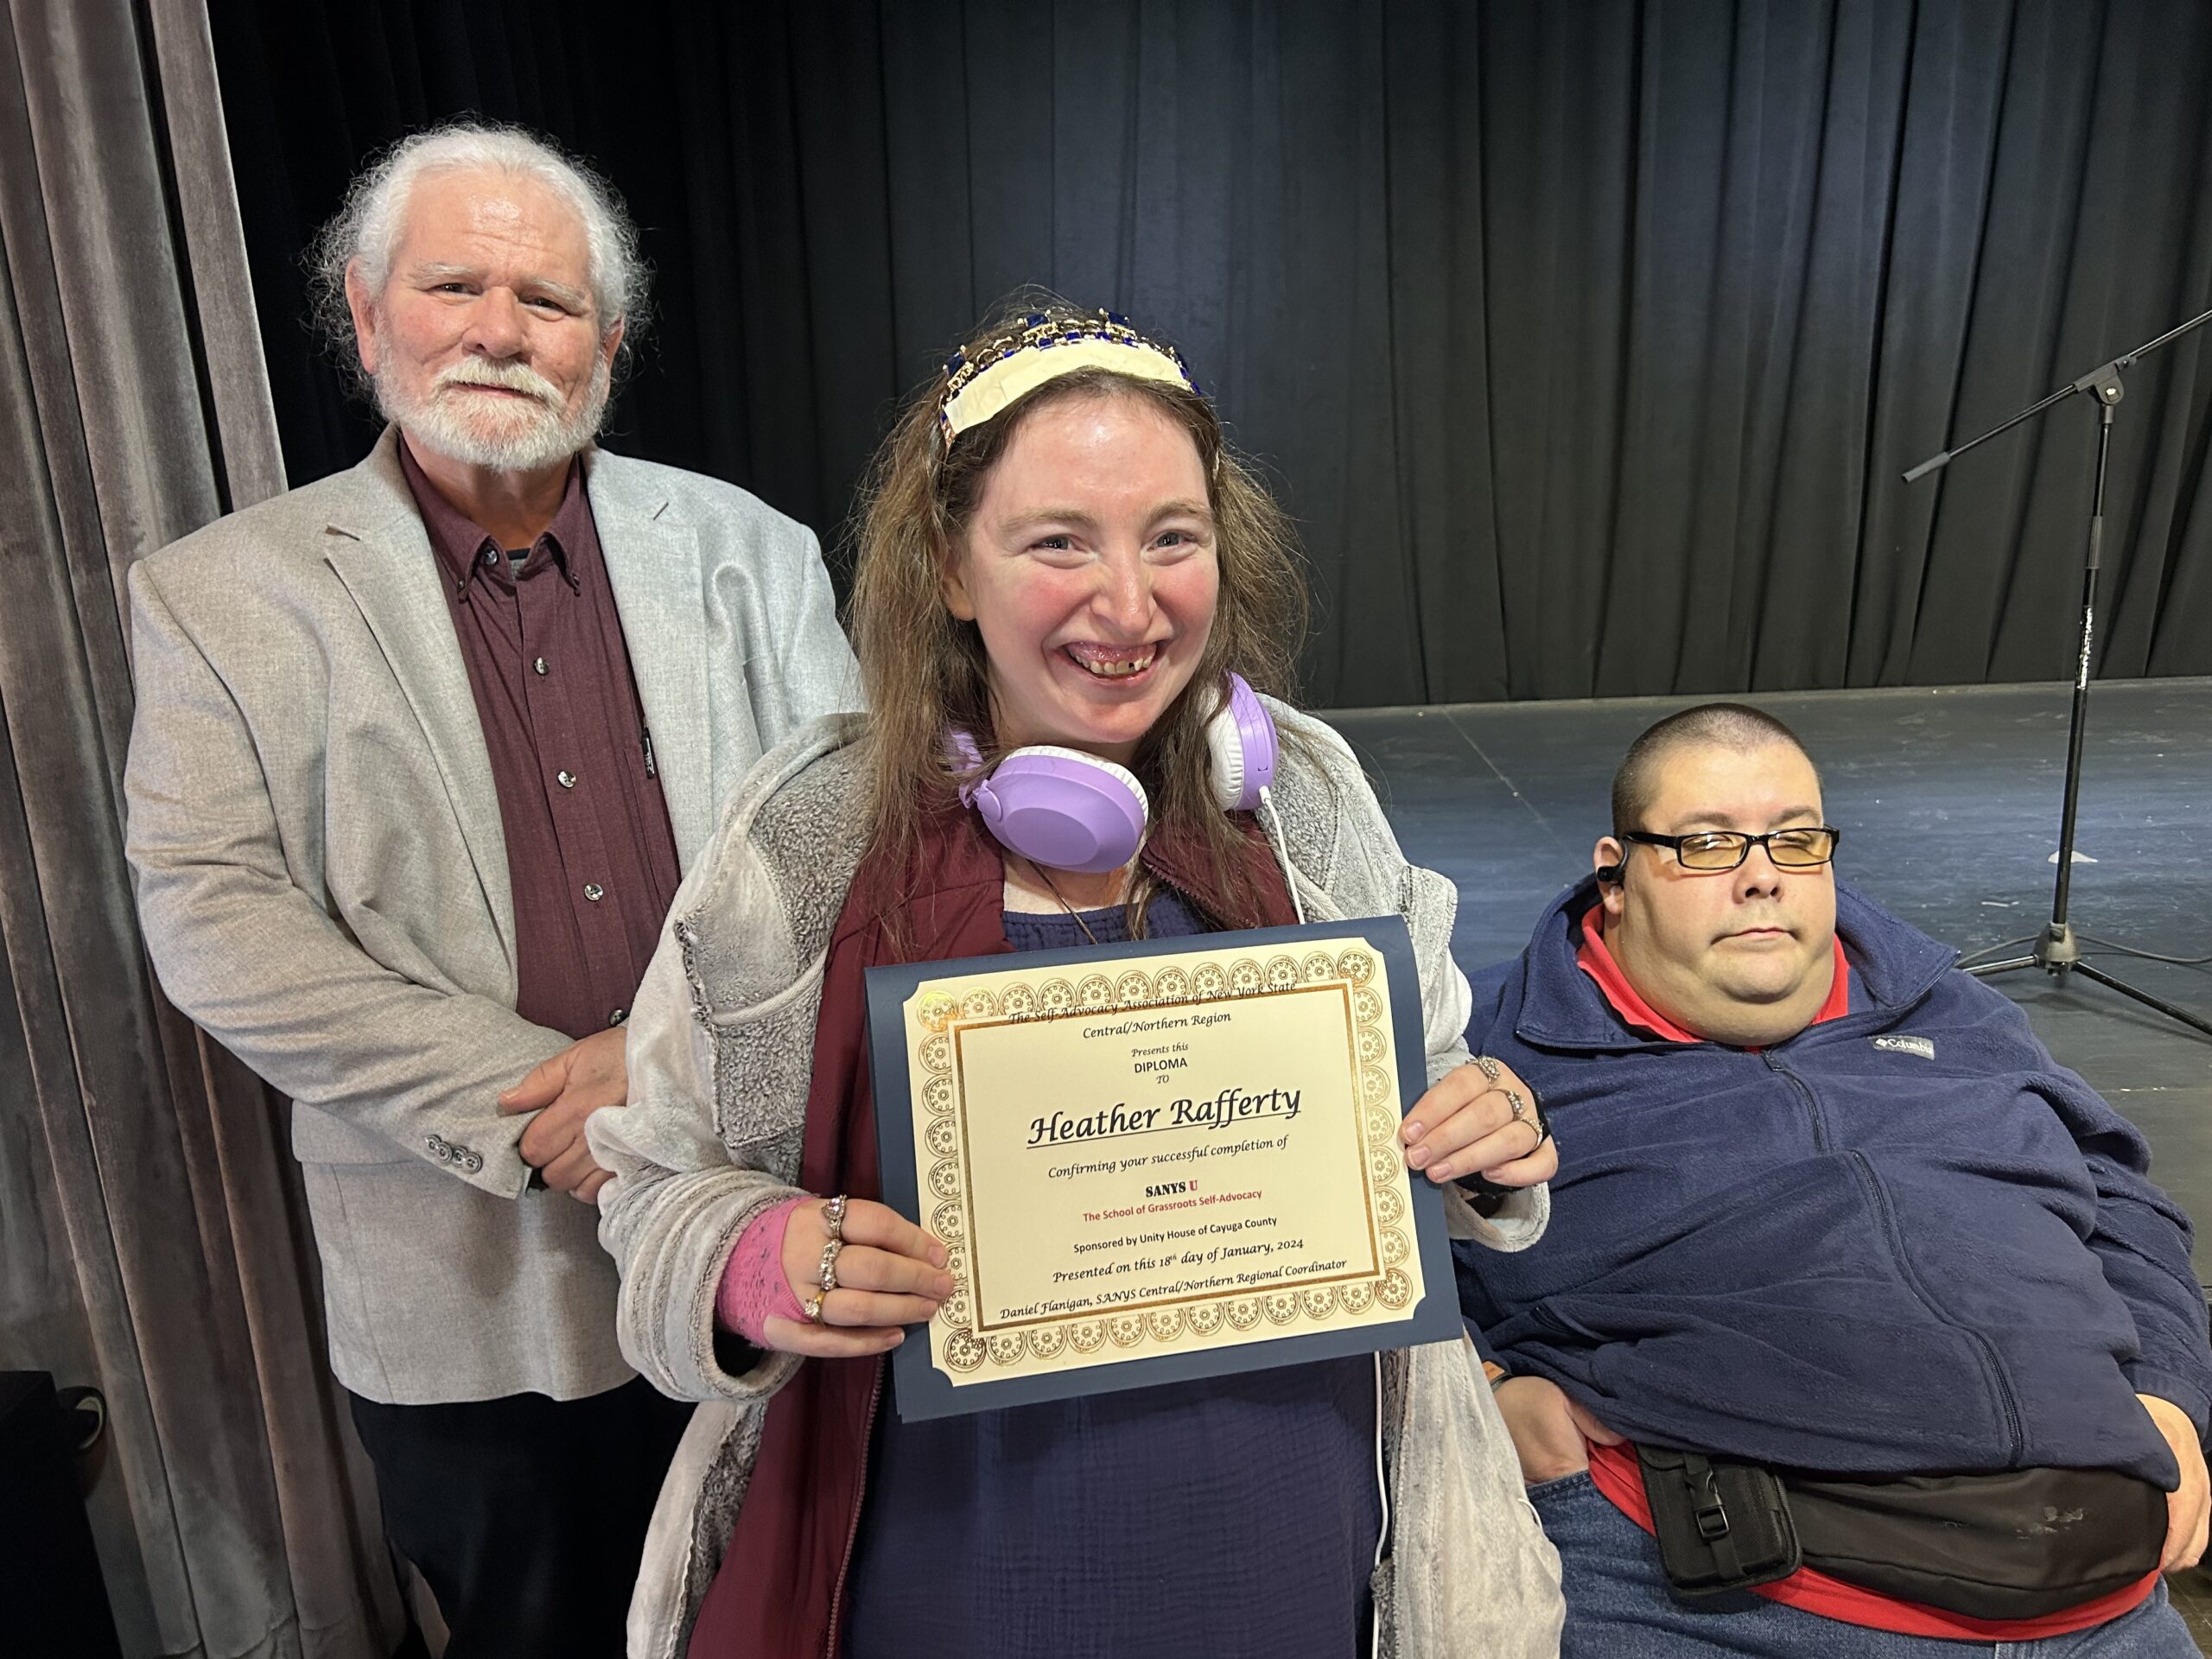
594,892
539,665
491,555
618,1016
566,778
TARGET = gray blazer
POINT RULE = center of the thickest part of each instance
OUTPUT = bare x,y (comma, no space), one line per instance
322,878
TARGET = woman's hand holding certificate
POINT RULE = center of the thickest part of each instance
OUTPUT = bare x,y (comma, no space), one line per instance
890,1273
1468,1125
1177,1159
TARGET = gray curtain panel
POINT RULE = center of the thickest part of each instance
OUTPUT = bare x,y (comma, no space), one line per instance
152,1240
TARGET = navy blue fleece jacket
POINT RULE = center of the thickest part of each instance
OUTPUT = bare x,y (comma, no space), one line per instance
1906,1240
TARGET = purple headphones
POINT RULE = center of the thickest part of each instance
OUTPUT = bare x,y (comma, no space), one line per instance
1069,810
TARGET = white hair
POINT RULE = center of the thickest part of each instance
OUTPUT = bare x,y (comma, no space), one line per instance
366,231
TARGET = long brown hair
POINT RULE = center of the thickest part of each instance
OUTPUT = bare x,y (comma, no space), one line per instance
926,671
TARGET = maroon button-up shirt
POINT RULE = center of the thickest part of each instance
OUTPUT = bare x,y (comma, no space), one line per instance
591,857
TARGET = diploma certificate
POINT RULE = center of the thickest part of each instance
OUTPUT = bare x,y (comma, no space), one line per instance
1158,1161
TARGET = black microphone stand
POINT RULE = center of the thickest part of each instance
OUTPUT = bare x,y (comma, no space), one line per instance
2057,950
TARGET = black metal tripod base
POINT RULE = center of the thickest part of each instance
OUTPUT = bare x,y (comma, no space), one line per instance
2058,953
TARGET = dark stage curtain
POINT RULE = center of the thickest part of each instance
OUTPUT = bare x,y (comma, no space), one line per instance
152,1236
1586,340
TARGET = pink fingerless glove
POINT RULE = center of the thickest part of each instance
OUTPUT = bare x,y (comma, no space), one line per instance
754,1284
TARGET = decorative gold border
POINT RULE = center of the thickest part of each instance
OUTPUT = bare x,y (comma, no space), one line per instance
936,1022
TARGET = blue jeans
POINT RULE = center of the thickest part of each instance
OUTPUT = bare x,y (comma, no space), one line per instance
1618,1606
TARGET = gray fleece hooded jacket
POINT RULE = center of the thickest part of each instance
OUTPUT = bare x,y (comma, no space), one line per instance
721,1049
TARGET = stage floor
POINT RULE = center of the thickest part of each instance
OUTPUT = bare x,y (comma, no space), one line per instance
1948,800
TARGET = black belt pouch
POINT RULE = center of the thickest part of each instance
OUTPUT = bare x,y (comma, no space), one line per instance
1721,1525
2019,1544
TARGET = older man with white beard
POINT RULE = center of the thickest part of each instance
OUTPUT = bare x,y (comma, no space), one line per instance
421,753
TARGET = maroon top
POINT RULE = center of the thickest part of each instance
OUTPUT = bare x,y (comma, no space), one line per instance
591,858
781,1585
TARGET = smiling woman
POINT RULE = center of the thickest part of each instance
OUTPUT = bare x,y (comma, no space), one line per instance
1097,526
1089,574
1065,575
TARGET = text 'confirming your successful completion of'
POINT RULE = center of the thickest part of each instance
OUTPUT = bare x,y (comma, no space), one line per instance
1230,1107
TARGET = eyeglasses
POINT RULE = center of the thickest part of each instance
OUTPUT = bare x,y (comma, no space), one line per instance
1712,850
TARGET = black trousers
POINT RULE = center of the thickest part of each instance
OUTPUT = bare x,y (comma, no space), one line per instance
526,1515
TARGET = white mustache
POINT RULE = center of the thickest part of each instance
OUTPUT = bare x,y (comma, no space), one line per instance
511,376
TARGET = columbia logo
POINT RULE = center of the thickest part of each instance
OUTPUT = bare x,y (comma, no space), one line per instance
1923,1046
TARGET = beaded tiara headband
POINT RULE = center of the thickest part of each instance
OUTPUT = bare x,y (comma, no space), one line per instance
978,387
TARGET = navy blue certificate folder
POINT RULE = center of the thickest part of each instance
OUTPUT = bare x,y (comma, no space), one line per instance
924,1391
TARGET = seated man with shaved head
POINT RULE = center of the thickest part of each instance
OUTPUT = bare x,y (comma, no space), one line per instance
1860,1328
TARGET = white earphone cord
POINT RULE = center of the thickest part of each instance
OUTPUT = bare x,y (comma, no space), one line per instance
1282,856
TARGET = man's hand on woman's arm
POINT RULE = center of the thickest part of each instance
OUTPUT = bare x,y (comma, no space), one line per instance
563,1092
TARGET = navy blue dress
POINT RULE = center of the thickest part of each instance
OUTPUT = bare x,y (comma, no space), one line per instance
1236,1516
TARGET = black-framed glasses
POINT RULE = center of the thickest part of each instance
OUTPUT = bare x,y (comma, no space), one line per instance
1805,847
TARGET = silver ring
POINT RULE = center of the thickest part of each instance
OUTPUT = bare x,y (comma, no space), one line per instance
1530,1112
828,1277
833,1216
1489,1067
